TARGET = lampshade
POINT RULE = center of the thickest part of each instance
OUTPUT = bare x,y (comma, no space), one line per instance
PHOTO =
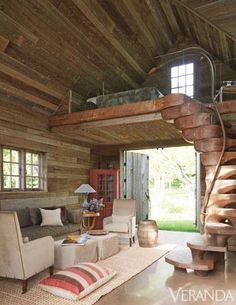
85,188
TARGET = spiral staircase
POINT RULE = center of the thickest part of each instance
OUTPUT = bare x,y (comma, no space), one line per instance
212,135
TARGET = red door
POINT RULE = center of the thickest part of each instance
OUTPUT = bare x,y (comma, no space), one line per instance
106,183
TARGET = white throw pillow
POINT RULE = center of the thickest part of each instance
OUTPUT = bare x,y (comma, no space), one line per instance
51,217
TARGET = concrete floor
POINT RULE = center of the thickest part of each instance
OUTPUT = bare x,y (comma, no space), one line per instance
160,284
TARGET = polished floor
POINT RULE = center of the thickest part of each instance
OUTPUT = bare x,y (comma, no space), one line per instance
159,284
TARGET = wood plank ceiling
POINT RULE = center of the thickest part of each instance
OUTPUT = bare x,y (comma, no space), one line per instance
50,46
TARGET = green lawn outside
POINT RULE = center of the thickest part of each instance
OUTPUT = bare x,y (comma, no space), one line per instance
177,225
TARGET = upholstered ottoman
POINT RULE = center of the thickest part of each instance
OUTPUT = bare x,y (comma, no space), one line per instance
107,245
69,255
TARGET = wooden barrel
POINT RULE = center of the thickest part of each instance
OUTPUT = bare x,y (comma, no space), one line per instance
147,233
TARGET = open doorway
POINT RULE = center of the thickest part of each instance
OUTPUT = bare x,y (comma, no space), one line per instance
164,181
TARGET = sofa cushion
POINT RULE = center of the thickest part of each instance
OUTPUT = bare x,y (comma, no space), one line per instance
64,215
35,215
77,281
24,217
75,216
36,231
121,227
51,217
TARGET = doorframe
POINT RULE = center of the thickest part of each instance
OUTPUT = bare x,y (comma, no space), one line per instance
122,173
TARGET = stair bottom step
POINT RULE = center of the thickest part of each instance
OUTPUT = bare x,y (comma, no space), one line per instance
181,258
206,243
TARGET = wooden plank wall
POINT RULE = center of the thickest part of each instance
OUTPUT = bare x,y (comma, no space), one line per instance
68,161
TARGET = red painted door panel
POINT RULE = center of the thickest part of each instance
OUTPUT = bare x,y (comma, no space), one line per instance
106,183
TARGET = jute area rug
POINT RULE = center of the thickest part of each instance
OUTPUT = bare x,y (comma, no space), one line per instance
127,263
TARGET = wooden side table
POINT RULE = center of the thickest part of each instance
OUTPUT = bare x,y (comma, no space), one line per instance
88,220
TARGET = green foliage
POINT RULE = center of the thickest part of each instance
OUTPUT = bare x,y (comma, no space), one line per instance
178,209
176,183
177,225
171,167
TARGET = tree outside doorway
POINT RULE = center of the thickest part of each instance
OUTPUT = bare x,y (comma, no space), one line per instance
172,184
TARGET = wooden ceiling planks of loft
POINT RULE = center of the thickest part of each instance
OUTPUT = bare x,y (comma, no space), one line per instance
49,47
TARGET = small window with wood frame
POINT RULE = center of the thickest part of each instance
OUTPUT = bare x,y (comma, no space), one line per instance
22,170
182,79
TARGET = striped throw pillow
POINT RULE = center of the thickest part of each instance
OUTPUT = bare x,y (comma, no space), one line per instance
77,281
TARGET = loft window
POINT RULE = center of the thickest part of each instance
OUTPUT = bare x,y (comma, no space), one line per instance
182,79
22,170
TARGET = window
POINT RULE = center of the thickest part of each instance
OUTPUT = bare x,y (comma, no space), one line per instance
182,79
22,170
32,170
11,169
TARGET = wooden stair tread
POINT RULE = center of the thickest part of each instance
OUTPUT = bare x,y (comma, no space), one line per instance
227,212
211,158
205,243
224,172
226,107
221,200
223,186
181,257
220,228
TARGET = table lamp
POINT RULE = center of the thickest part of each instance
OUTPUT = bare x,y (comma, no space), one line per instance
85,189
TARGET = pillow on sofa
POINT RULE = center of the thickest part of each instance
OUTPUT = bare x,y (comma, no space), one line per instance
24,217
77,281
51,217
36,217
64,215
75,216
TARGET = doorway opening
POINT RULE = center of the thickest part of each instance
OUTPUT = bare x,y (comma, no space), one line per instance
164,182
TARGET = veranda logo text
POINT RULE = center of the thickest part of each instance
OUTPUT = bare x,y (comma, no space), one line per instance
204,295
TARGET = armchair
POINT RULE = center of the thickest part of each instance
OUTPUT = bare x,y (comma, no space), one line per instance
123,219
22,260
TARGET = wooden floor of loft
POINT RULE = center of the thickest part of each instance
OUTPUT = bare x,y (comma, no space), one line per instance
153,285
132,125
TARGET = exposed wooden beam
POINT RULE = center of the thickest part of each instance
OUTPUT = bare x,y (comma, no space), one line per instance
118,111
107,32
168,11
3,43
17,70
161,21
12,91
73,26
195,13
15,32
125,120
53,45
109,122
132,7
